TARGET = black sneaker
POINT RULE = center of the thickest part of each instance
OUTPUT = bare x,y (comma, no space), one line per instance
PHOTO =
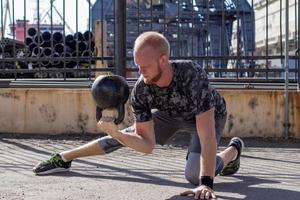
52,165
233,166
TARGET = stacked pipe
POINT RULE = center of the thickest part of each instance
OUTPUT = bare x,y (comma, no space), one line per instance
10,48
54,50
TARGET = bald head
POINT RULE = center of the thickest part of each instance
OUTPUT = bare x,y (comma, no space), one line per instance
154,40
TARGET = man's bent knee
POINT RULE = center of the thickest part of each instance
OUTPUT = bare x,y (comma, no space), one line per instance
192,168
109,144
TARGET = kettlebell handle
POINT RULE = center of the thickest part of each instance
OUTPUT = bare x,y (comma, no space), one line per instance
120,117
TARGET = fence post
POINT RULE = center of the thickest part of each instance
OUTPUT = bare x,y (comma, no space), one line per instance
120,37
298,50
100,45
286,63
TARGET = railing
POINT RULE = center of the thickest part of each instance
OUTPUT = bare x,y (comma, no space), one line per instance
225,38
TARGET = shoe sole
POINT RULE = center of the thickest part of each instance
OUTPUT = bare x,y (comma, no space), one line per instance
52,171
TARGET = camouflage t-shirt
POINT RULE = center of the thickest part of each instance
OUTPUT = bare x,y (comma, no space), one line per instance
188,94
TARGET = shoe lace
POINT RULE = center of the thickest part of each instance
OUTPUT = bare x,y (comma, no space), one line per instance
55,160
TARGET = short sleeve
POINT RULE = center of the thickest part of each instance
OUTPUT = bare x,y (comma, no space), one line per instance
200,91
140,103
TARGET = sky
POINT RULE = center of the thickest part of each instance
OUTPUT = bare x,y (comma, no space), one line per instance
70,12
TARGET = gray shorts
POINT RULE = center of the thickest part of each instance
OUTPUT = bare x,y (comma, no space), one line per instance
165,127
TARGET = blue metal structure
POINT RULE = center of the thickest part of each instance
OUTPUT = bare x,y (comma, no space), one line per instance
195,28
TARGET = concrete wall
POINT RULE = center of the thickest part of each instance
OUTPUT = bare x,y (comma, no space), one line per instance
261,113
57,111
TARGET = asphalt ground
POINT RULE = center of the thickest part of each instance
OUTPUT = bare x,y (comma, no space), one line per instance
270,169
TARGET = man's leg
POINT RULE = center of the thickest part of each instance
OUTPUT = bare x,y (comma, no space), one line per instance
225,158
231,156
90,149
192,167
164,128
100,146
227,162
62,162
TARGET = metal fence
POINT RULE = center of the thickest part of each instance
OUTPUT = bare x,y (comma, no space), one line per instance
234,40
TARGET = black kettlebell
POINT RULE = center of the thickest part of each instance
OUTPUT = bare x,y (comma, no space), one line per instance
110,91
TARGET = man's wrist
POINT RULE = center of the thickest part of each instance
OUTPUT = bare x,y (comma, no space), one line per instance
207,181
115,134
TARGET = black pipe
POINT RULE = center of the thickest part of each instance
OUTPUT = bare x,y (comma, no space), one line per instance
67,55
88,35
82,46
55,62
45,63
38,39
59,48
47,51
78,36
46,36
34,61
28,41
57,37
32,32
92,48
32,46
69,62
46,44
76,54
37,51
70,42
87,54
69,38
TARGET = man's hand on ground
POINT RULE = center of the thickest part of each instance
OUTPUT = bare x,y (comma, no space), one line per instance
200,192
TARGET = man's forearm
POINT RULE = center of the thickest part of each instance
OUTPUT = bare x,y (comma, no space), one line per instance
135,141
208,157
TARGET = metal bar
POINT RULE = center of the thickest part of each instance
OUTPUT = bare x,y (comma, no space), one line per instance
51,31
267,37
90,39
238,37
295,40
14,37
77,43
151,14
286,63
114,44
193,22
298,49
2,35
64,38
25,33
280,27
38,32
165,17
138,17
206,33
120,46
102,18
222,45
2,26
179,47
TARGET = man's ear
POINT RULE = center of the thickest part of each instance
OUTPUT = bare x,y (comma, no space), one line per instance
163,59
